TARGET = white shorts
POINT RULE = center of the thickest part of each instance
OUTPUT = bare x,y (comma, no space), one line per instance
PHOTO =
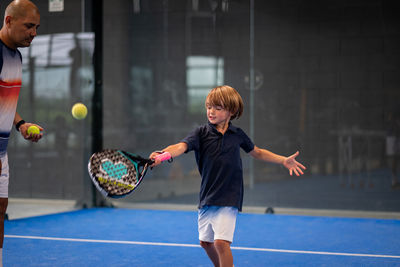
4,177
217,223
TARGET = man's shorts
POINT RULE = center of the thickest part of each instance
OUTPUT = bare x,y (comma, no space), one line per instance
217,223
4,177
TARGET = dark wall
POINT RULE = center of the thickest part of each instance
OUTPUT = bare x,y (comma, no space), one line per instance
325,67
325,71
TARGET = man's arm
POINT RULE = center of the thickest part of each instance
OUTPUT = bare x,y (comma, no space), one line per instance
17,118
288,162
175,151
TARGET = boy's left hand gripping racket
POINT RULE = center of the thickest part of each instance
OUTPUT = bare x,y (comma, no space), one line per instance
116,173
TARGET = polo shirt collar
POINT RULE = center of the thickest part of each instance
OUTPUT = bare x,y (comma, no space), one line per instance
230,127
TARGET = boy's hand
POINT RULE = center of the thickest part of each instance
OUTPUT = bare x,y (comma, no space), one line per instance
293,166
160,156
153,157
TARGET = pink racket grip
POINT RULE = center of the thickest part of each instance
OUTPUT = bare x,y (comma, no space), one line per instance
163,156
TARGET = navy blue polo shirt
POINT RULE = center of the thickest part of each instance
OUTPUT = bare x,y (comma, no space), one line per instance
219,163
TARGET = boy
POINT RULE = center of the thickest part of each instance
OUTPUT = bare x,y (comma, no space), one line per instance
217,151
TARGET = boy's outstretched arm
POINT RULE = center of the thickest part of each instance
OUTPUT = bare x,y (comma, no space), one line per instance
289,162
175,151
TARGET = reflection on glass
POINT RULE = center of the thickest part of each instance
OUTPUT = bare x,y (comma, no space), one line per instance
202,74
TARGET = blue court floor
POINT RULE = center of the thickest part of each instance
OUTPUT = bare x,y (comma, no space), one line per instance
126,237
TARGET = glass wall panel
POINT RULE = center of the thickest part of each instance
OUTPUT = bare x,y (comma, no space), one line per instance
324,83
321,78
57,72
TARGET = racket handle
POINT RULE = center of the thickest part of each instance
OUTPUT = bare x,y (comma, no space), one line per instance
163,156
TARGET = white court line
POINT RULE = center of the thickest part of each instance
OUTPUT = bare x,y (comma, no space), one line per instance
198,246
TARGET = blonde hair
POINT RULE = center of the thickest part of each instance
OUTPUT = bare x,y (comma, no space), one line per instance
228,98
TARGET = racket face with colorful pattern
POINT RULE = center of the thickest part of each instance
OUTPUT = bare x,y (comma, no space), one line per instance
116,173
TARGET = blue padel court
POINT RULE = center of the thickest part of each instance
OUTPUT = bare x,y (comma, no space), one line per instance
126,237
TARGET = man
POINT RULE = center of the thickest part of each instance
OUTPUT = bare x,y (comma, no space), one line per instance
21,20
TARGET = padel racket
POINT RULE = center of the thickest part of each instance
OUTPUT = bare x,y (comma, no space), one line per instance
116,173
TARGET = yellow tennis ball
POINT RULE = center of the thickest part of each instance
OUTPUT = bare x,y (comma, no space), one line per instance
33,130
79,111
